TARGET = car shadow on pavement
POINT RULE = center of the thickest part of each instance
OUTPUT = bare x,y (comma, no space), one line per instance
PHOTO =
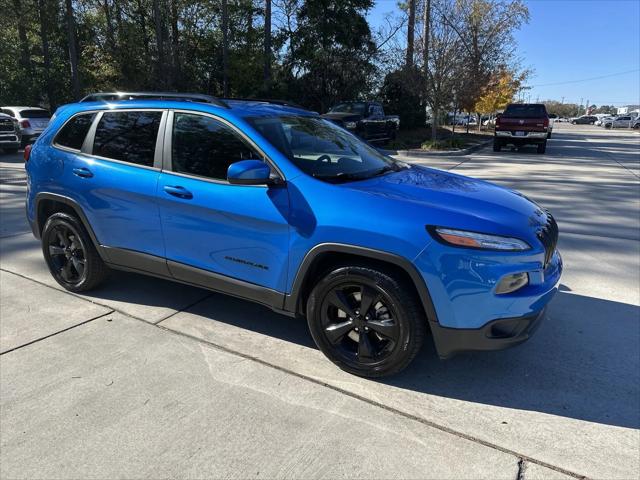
583,363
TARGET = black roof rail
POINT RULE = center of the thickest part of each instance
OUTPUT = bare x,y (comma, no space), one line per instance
189,97
284,103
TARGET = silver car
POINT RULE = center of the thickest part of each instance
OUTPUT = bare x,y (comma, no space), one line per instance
10,136
32,121
622,121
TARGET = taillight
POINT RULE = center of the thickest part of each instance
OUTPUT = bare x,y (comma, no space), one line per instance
498,121
27,153
546,122
25,124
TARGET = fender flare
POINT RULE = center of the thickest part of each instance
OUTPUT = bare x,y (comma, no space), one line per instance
292,300
75,206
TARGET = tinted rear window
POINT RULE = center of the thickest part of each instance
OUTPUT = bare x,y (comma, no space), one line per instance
73,133
34,114
525,111
127,136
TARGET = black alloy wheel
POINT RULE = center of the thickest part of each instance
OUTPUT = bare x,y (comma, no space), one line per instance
359,323
67,254
70,254
368,322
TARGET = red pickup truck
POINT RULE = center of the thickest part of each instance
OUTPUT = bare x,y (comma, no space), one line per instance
522,124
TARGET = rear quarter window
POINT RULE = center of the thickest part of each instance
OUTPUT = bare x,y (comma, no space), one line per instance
525,111
34,114
72,134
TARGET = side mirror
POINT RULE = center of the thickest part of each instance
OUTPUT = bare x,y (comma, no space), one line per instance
249,172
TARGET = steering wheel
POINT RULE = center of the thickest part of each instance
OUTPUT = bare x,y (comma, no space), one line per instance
324,158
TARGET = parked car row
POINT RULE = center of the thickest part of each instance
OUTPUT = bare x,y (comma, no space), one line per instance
21,125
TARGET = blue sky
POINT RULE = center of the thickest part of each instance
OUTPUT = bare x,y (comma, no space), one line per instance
569,40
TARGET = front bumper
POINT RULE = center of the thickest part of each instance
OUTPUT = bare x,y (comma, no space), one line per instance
496,335
10,140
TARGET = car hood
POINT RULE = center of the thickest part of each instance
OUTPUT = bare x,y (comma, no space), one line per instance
342,116
456,201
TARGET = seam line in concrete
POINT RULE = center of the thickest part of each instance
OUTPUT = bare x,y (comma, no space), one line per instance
396,411
113,309
607,154
522,466
187,307
55,333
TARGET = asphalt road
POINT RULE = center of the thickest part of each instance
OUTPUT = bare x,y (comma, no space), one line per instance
146,378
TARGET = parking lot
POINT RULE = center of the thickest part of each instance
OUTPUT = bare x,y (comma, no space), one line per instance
145,378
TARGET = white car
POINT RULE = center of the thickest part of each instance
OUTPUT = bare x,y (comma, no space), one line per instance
32,120
602,120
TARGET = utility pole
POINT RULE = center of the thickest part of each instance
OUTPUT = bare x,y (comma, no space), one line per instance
586,108
562,101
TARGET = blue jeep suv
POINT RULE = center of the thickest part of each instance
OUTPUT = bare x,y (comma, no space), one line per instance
274,204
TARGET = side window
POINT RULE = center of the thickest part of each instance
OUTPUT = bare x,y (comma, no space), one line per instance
127,136
206,147
73,133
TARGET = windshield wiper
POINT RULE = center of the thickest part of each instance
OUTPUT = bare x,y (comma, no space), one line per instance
346,176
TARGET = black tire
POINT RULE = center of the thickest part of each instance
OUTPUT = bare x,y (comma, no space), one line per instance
549,135
497,145
392,308
10,150
573,123
608,125
70,254
542,147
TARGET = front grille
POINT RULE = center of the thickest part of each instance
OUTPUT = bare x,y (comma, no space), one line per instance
548,235
6,125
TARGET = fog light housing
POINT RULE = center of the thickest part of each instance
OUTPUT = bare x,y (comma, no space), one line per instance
512,282
350,125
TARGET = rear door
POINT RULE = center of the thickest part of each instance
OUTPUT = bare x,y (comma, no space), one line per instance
113,175
209,225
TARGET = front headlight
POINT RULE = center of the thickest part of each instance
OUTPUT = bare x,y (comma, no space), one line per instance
350,125
463,238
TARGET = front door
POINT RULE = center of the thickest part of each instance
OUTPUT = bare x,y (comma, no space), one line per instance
236,231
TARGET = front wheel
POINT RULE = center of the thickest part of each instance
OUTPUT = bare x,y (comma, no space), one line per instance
70,254
366,321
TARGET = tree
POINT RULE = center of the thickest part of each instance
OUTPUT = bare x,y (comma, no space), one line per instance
267,45
333,52
73,49
411,33
499,92
442,61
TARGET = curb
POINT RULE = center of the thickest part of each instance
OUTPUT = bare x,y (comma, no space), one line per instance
437,153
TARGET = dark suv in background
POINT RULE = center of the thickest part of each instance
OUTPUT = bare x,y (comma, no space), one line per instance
522,124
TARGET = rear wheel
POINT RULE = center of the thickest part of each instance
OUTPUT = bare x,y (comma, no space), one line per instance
542,147
497,145
549,135
70,254
366,321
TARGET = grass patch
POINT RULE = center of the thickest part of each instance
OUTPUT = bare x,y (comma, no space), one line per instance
452,143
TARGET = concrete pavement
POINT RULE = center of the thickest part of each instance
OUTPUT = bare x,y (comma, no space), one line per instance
232,389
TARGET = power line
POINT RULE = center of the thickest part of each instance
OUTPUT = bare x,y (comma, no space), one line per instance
587,79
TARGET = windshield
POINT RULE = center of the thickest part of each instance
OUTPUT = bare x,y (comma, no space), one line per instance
322,149
525,111
351,107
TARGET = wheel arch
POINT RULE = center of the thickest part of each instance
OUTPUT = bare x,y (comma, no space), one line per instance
327,256
50,203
